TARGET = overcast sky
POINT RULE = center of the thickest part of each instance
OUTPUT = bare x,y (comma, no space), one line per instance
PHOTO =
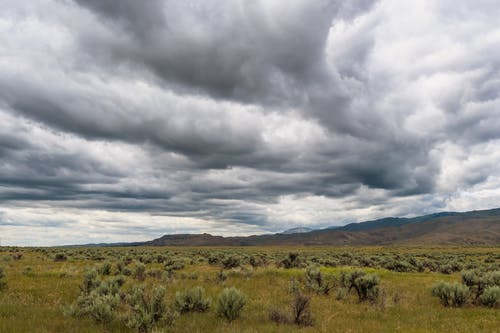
126,120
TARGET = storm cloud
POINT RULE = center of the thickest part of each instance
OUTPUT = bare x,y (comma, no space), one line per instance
124,120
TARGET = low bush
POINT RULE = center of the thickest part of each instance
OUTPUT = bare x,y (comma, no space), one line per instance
301,313
231,262
366,285
105,268
60,257
140,271
491,296
98,301
292,261
192,300
478,281
451,294
3,283
90,282
221,276
316,282
147,310
230,303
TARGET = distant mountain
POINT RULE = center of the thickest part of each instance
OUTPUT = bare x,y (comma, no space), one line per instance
447,228
393,222
299,230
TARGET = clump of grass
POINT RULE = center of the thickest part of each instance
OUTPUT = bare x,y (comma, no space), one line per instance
192,300
341,294
294,286
230,303
28,271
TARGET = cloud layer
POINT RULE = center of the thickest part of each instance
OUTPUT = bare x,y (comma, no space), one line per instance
127,120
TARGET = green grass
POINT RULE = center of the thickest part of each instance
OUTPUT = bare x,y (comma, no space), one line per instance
34,302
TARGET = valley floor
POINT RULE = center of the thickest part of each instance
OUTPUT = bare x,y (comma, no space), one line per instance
39,289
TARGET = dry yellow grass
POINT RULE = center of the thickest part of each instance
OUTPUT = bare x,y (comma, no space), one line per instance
35,297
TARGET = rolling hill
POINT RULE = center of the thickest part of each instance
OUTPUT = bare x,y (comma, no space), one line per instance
447,228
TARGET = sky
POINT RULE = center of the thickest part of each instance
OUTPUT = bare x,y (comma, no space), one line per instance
126,120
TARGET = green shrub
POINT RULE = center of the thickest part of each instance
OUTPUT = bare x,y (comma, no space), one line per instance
256,262
97,301
451,294
478,281
316,282
3,283
230,303
90,282
221,276
491,296
192,300
348,278
140,271
399,266
231,262
367,287
105,268
60,257
292,261
120,266
145,311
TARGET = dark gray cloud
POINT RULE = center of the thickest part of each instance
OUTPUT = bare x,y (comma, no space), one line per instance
243,117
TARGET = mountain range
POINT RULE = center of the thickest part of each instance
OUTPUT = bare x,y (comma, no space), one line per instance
480,227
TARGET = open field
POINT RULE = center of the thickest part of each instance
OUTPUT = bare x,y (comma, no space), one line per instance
43,283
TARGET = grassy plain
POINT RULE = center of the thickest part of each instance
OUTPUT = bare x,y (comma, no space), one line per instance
39,289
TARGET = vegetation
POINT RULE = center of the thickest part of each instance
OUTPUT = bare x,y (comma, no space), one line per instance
491,296
274,289
230,303
483,285
192,300
316,282
146,310
366,285
300,312
451,294
3,283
